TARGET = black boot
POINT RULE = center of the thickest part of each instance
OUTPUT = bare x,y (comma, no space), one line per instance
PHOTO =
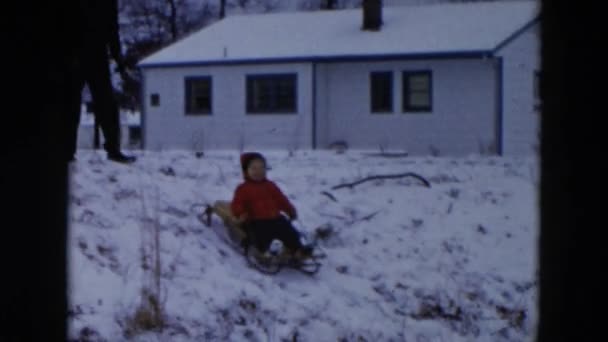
119,157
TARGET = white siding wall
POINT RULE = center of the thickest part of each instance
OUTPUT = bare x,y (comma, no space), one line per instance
228,127
463,119
521,122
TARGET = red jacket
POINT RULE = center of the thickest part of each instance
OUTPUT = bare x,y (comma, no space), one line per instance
260,200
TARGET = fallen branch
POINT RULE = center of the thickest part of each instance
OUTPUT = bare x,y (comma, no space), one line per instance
370,216
407,174
334,216
388,154
364,218
329,195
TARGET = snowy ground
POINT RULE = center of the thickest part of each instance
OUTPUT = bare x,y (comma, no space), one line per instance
453,262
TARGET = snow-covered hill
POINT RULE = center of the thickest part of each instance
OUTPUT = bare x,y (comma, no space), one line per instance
453,262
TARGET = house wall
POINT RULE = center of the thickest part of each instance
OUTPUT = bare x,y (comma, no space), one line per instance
228,126
521,122
463,119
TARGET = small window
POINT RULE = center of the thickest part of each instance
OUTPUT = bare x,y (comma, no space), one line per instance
198,95
271,93
155,100
381,92
417,91
134,135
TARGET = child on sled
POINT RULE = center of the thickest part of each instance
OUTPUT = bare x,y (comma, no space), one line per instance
262,211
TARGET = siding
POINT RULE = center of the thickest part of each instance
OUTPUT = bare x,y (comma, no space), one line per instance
228,126
521,122
463,119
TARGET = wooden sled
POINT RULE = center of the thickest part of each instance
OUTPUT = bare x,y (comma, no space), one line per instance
269,264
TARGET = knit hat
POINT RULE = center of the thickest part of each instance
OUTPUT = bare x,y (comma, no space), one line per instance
247,158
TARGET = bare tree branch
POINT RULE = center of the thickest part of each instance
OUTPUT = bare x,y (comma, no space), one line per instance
407,174
329,195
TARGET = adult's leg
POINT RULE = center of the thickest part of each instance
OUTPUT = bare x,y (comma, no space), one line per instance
76,83
105,107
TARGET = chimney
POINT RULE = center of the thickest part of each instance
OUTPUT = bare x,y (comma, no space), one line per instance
222,9
329,4
372,15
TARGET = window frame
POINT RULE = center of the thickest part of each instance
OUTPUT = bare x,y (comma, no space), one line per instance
407,107
275,93
188,82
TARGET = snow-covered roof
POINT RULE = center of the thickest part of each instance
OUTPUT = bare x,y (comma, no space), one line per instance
424,29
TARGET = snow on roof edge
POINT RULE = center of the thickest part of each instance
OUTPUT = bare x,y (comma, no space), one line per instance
181,53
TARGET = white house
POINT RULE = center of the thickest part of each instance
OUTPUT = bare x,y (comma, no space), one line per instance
451,79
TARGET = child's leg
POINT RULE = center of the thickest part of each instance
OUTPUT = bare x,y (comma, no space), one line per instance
261,233
285,232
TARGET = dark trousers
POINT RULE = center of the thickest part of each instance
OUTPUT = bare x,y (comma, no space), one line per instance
94,70
262,232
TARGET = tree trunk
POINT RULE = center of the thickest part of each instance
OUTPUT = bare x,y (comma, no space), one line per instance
173,19
329,4
222,9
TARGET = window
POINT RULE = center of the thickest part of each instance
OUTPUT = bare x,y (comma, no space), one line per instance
381,92
155,100
134,135
271,93
417,91
198,95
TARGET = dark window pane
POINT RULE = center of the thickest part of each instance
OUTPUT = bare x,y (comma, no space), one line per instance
417,91
419,83
419,100
155,100
271,93
198,95
381,89
134,135
201,102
